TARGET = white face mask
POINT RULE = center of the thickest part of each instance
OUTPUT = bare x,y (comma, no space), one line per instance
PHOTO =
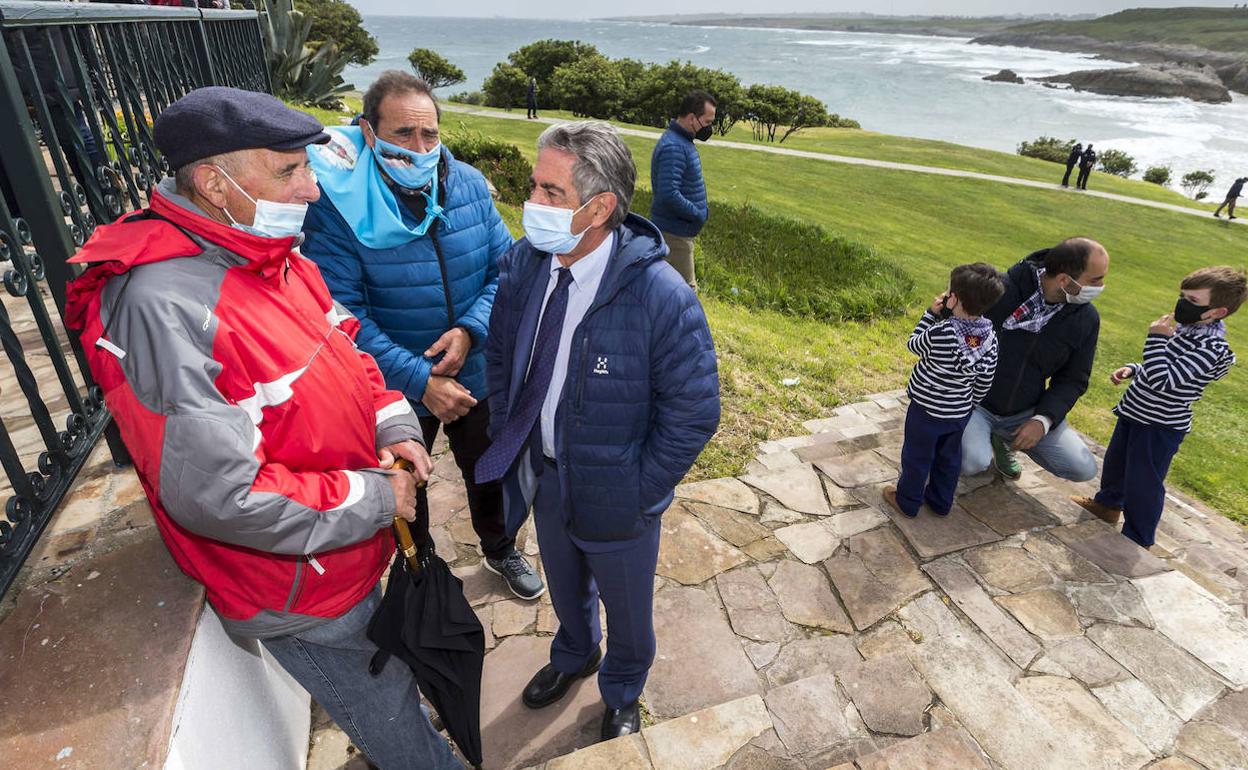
272,220
1086,293
549,228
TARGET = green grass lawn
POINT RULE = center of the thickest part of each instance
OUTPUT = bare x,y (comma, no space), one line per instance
926,224
929,152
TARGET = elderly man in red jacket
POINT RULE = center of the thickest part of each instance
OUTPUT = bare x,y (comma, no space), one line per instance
263,438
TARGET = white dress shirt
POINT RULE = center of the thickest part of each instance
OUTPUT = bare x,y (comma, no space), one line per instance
587,274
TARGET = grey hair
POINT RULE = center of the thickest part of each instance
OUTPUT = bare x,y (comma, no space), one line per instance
603,162
184,178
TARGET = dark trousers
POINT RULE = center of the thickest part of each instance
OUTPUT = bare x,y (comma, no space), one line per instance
1229,205
469,440
579,573
531,107
1134,473
1084,173
931,459
1066,179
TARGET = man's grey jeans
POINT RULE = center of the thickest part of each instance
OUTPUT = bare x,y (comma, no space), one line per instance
381,714
1061,451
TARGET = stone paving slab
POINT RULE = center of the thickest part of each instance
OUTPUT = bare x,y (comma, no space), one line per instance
874,575
931,751
1196,621
797,488
700,662
958,582
726,493
999,507
928,534
688,553
1090,737
1176,678
1109,550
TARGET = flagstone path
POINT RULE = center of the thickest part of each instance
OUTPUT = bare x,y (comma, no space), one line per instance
802,624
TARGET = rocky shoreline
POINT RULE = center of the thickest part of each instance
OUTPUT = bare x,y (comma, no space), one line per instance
1167,70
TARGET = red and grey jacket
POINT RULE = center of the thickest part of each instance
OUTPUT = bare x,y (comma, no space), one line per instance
253,420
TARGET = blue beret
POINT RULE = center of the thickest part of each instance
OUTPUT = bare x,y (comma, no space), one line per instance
216,120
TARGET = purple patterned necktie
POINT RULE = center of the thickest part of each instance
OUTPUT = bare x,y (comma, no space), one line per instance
510,438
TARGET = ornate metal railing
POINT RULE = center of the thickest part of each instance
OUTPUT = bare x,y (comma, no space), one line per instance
80,84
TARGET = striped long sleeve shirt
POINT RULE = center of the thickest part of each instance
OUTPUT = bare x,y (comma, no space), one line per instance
1174,375
954,371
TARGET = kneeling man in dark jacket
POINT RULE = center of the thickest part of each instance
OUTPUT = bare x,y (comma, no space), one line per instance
1047,331
603,390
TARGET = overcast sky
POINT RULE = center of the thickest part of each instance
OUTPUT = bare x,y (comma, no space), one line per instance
580,9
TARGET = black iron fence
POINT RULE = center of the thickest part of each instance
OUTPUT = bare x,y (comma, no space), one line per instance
80,84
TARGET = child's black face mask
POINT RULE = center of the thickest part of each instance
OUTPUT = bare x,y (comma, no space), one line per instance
1187,312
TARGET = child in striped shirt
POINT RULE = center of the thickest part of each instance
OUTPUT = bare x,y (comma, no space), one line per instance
1184,352
957,352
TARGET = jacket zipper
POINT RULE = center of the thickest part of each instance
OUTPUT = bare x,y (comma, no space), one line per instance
296,587
446,284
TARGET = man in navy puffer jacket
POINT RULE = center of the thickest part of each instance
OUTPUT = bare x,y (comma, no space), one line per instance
679,207
603,391
408,239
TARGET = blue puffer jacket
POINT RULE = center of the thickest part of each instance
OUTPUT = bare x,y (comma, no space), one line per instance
407,297
679,204
641,397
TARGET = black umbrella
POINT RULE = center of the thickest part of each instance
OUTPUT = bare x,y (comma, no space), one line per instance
425,621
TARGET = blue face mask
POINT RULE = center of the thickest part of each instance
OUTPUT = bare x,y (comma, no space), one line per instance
549,228
412,170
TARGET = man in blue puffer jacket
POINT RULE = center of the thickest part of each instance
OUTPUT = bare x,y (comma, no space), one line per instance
679,207
603,391
408,239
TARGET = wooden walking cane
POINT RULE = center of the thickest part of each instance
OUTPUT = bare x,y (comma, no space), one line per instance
402,530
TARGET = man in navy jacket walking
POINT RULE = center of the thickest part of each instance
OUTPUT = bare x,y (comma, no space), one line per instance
679,207
603,391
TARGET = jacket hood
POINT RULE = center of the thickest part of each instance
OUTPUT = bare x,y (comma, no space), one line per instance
162,231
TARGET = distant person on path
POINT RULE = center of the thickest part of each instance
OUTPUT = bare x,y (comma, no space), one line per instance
262,436
408,240
679,207
1072,160
1232,196
530,99
1183,353
605,391
957,352
1087,162
1047,331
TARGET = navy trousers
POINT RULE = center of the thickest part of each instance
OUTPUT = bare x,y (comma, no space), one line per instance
931,459
1134,473
579,573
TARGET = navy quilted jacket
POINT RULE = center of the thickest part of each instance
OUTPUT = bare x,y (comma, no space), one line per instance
679,205
641,397
407,297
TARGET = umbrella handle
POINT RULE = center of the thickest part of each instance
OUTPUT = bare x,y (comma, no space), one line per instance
402,531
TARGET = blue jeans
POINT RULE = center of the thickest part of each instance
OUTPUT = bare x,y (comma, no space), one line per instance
930,458
1133,480
381,714
1061,451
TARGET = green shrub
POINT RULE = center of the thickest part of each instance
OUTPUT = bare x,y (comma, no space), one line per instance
589,88
1118,163
1196,184
505,86
1158,175
340,22
501,162
1048,148
767,262
467,97
431,67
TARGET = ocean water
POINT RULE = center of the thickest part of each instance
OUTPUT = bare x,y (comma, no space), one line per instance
899,84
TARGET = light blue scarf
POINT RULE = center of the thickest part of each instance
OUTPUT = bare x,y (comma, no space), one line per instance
349,175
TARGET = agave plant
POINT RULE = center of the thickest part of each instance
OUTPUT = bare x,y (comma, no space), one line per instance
301,72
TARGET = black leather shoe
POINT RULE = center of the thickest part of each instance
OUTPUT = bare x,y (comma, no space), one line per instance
616,723
550,684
